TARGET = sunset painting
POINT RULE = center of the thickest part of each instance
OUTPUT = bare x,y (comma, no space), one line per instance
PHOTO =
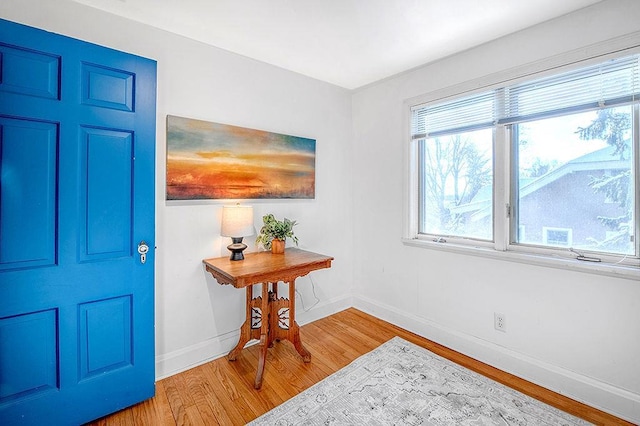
217,161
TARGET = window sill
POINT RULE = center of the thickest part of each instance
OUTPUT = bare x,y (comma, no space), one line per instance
608,269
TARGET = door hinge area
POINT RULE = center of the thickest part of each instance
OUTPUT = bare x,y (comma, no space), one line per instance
508,210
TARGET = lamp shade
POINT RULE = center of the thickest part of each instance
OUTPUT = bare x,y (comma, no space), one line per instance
237,221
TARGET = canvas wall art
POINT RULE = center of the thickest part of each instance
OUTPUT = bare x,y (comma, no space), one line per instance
208,160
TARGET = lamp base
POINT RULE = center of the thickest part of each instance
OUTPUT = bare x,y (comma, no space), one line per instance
236,248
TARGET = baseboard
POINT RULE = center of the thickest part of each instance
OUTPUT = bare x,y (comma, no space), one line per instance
600,395
216,347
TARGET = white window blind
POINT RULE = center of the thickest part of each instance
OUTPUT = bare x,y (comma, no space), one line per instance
610,83
603,85
453,117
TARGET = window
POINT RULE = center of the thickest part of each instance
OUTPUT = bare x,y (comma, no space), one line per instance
557,237
570,177
559,152
456,169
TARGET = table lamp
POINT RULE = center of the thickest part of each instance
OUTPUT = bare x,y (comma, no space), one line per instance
237,223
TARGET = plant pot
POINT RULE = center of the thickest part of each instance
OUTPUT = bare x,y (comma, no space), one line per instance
277,246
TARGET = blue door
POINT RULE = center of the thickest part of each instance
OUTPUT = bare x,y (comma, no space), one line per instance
77,148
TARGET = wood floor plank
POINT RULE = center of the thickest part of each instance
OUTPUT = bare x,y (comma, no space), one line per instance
175,400
161,410
329,349
228,406
121,418
205,401
193,417
144,412
221,392
280,362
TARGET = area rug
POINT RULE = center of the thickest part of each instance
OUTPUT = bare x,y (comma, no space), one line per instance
400,383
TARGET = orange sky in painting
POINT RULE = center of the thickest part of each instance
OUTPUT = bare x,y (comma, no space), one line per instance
237,179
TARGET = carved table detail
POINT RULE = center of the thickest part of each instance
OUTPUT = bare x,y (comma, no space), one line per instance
268,318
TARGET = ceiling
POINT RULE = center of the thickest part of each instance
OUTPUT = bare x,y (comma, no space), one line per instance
350,43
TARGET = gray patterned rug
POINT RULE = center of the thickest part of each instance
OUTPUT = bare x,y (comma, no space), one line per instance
400,383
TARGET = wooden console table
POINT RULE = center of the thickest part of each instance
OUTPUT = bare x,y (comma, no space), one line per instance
268,317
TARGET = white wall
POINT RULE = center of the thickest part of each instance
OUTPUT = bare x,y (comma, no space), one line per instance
196,318
573,332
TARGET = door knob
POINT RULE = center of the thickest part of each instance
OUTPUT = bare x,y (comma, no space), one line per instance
143,248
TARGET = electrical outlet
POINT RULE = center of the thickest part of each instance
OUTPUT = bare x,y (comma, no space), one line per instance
499,322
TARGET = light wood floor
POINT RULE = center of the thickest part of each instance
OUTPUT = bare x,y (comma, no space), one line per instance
221,392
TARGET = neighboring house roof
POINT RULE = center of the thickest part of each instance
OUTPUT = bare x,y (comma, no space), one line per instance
602,159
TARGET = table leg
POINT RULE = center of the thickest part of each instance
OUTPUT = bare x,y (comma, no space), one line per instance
264,335
294,329
273,316
245,330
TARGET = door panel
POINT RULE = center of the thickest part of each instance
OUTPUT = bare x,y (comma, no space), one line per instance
77,153
106,209
32,335
28,151
105,336
29,73
107,88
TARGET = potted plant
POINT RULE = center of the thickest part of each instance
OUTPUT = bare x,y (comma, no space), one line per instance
274,233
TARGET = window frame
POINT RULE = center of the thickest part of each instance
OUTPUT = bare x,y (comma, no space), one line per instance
503,168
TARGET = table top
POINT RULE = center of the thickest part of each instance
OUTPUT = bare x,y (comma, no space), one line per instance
263,267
